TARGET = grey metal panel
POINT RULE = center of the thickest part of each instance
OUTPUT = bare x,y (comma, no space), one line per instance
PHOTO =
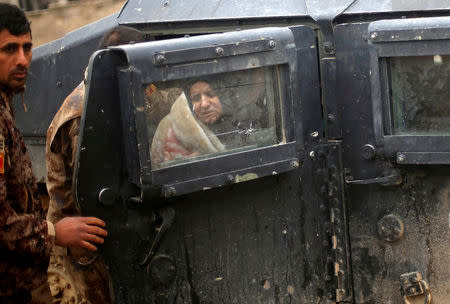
36,150
153,11
56,69
436,28
157,11
379,6
142,54
327,10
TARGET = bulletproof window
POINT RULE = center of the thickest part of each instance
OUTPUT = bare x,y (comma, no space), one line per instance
420,94
410,77
201,117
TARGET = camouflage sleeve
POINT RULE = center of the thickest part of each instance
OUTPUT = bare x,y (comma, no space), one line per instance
60,162
23,229
73,135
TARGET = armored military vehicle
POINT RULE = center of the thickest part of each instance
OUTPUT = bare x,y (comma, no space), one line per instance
304,159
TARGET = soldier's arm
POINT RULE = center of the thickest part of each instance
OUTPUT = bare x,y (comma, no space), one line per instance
60,157
72,231
26,233
74,131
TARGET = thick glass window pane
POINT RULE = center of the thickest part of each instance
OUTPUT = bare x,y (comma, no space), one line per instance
420,94
193,119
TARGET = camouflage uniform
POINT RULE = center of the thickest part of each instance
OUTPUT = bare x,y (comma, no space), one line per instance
75,275
26,238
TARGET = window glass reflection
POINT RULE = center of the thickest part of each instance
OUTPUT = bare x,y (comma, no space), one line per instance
197,118
420,94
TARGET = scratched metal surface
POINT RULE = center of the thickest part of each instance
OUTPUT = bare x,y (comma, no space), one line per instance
157,11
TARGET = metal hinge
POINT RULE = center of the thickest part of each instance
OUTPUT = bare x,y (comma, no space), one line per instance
328,174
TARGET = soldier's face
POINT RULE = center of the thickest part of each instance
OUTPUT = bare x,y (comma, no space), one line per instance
15,58
205,102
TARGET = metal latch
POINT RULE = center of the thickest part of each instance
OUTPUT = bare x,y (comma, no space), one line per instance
413,285
168,215
393,178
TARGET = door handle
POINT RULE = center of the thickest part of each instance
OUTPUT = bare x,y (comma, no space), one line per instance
392,179
168,215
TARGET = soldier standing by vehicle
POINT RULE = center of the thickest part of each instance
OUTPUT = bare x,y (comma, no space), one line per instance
26,238
75,273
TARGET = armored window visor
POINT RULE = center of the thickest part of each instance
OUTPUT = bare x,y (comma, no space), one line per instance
196,113
410,77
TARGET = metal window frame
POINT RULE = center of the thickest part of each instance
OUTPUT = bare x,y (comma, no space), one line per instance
225,169
405,38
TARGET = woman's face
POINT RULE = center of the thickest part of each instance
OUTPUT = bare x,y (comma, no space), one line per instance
206,103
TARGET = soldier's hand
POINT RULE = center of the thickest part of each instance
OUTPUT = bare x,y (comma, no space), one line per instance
80,232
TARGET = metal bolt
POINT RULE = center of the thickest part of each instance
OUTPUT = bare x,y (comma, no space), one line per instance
58,84
230,178
171,192
412,290
390,228
328,47
314,134
219,51
368,151
272,44
374,36
401,158
160,59
165,3
339,249
341,273
312,154
295,164
331,117
341,291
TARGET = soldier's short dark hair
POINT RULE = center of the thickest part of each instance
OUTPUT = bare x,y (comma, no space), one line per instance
121,35
14,20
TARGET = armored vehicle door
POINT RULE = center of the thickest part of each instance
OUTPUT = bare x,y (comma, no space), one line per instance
394,92
198,153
